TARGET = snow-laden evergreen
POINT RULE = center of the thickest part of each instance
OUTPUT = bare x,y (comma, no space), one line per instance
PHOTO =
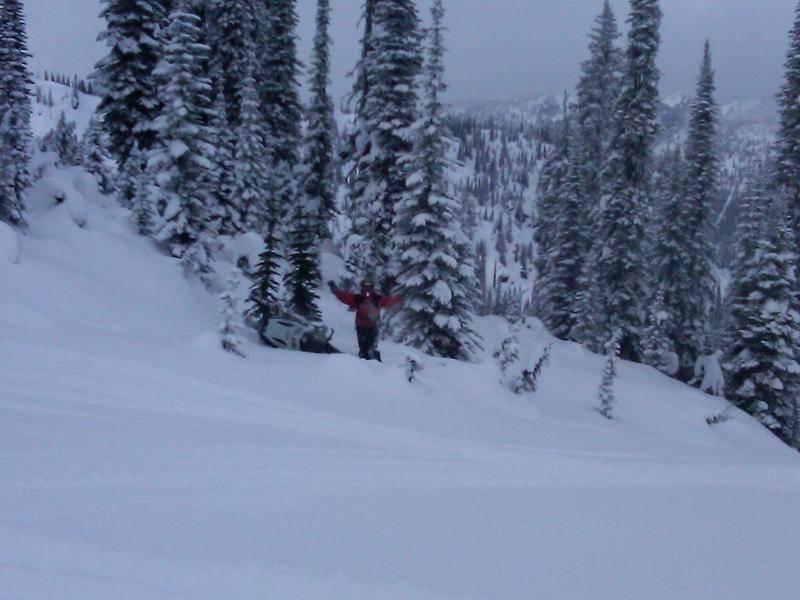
597,93
561,237
231,324
63,140
279,90
764,321
96,158
436,273
618,254
320,177
126,78
789,132
15,113
249,200
693,309
182,163
232,38
379,153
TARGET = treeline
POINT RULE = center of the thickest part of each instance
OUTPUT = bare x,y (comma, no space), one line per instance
625,238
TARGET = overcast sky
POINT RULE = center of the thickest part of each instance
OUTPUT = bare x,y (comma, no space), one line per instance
499,49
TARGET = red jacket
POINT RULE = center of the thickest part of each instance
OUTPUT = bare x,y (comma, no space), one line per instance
368,307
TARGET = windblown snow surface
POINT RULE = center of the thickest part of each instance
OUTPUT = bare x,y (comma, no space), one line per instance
138,460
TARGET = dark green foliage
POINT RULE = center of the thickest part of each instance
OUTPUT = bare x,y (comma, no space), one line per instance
764,322
435,263
63,141
619,252
15,113
126,77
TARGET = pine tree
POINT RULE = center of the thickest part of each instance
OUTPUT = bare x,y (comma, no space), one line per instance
15,113
554,187
390,64
251,163
598,91
788,170
63,140
670,259
320,165
232,37
126,77
701,171
280,100
606,392
619,255
231,214
762,360
232,315
263,299
95,157
436,270
657,349
183,162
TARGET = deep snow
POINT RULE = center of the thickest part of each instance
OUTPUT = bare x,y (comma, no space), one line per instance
137,460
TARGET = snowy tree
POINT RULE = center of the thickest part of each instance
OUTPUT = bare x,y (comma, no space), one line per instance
232,38
789,132
606,392
263,299
96,157
597,94
228,206
15,113
560,237
764,322
380,148
619,252
694,307
231,323
183,161
436,270
598,90
280,100
63,140
320,176
126,77
657,350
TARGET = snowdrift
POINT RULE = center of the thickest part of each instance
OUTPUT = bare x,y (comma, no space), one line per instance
140,460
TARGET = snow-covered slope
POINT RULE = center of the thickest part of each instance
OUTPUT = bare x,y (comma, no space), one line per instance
140,461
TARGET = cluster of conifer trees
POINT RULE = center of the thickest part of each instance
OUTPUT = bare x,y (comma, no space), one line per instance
626,256
201,111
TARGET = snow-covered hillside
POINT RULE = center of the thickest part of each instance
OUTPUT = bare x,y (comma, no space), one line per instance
141,461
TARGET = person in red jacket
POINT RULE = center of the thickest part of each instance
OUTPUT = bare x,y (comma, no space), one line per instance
368,305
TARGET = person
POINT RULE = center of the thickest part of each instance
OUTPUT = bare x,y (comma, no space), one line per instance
368,305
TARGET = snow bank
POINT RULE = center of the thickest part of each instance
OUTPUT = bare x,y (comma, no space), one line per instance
9,245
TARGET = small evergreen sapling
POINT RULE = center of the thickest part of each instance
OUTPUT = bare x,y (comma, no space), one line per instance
95,157
414,365
231,313
63,140
508,353
606,391
528,381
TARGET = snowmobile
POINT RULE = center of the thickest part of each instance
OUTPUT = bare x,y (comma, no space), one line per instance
287,332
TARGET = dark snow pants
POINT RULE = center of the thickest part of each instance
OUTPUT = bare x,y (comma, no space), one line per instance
368,343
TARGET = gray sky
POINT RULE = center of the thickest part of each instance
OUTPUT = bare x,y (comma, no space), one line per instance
499,49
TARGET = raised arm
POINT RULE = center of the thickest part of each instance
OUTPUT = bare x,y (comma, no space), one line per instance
342,296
